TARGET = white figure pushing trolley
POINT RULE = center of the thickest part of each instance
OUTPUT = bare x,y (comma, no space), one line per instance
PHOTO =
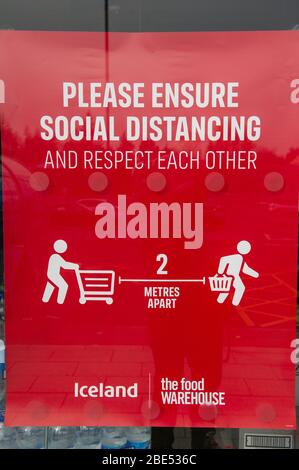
93,284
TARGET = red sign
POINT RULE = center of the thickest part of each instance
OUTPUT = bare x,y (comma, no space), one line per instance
150,227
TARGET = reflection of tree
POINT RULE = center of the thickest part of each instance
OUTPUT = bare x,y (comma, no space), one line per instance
17,144
268,161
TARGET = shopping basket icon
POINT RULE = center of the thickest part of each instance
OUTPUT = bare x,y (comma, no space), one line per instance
96,285
220,283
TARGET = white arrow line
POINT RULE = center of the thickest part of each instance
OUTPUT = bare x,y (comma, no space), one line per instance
158,280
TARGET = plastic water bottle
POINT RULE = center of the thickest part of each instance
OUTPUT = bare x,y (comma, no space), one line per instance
139,438
30,437
7,437
88,437
61,437
114,438
2,399
2,355
1,305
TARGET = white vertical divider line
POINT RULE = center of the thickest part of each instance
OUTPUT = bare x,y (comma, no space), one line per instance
149,391
2,92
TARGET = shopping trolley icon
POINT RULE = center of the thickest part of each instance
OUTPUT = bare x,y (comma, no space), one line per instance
96,285
220,283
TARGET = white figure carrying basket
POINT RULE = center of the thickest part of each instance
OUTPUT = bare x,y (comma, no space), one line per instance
96,285
220,283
